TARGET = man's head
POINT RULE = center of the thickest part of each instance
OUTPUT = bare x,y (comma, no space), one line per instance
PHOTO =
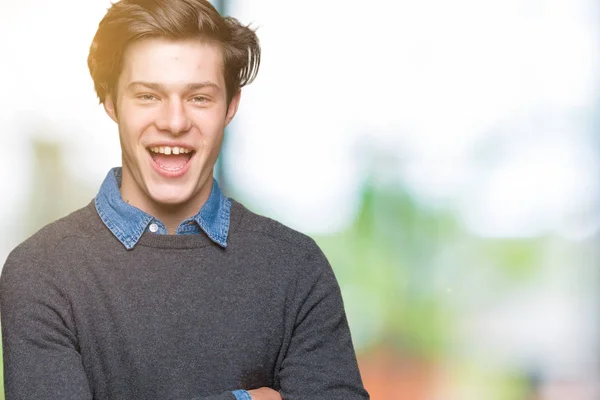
128,21
169,72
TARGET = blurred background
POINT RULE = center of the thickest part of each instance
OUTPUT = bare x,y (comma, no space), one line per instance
445,155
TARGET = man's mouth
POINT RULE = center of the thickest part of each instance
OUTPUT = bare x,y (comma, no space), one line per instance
171,158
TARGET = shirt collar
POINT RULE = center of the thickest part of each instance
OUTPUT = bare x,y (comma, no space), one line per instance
128,223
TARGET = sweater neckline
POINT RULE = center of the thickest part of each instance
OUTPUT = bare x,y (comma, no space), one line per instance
191,241
149,239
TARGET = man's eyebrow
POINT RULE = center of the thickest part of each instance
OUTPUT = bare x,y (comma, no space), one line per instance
201,85
159,87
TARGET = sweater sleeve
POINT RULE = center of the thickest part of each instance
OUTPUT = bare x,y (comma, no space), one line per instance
320,362
221,396
40,348
40,351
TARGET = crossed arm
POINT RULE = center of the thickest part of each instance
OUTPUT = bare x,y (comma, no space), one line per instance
264,394
42,358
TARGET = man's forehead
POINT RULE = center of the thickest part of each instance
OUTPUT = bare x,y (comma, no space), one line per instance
172,62
180,85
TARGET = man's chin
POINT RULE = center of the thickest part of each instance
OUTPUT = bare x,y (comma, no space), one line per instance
170,197
171,201
174,195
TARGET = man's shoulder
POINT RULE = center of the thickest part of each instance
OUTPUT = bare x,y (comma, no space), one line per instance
246,222
49,239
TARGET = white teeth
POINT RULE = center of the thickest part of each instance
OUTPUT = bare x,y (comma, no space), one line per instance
170,150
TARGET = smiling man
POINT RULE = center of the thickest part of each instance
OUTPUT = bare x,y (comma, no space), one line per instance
172,106
162,287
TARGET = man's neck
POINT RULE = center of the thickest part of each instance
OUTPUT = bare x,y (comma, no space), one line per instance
171,215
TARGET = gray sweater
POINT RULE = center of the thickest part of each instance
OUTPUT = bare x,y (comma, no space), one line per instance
176,318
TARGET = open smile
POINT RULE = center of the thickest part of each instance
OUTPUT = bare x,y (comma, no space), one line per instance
171,161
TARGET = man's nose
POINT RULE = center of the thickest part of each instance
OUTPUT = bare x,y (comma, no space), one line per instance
173,118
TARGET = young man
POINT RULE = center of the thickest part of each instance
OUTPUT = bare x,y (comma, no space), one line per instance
163,288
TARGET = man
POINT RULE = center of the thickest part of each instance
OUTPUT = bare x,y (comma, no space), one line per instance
163,288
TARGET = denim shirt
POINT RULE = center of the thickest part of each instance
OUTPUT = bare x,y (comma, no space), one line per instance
129,223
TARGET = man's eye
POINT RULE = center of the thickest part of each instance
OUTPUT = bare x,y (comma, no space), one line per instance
147,97
199,99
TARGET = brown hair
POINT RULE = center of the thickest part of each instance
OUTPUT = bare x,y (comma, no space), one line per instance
129,20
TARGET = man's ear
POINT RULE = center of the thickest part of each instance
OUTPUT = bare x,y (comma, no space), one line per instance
109,107
233,107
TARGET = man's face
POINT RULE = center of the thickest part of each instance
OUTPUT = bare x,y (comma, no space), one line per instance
171,110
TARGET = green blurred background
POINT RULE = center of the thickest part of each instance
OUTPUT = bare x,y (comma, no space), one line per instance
445,156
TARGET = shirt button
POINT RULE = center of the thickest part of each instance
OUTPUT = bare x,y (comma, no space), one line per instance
153,228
